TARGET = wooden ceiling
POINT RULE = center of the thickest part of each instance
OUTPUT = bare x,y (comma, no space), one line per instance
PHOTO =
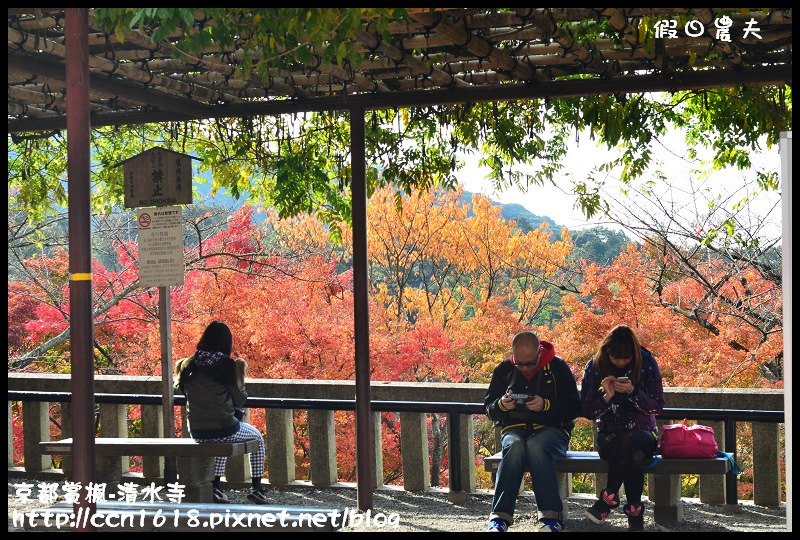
433,57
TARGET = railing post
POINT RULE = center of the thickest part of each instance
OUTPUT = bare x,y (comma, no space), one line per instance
456,494
377,445
766,464
322,448
712,486
184,423
35,428
414,451
280,446
467,447
113,423
152,426
731,482
10,438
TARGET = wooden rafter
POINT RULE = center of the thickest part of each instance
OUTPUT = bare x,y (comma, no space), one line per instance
483,52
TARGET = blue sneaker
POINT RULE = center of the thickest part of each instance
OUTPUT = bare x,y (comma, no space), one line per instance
550,525
497,525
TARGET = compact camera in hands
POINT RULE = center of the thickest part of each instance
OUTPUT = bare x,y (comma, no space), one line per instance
521,399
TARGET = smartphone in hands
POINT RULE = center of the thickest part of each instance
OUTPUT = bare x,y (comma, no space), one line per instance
623,379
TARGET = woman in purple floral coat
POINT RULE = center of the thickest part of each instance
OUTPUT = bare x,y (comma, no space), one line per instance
623,392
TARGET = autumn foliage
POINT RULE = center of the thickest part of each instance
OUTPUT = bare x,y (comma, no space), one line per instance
449,284
687,354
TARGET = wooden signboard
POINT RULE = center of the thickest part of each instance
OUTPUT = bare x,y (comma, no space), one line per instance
158,177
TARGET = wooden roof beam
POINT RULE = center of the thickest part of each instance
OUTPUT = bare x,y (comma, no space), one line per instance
626,84
497,58
418,67
113,87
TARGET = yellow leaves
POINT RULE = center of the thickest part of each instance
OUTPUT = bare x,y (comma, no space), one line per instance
304,234
442,262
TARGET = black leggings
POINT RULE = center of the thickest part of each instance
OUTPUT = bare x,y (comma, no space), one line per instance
625,452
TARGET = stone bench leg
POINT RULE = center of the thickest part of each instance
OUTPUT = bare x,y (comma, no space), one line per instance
108,472
197,474
565,490
665,494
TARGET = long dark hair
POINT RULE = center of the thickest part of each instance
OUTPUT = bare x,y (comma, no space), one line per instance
217,337
620,342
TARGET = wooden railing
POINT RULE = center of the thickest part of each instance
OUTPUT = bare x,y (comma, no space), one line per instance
723,409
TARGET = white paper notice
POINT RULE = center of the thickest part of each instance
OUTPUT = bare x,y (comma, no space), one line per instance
161,246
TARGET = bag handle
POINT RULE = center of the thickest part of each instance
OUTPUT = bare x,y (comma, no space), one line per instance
734,466
655,461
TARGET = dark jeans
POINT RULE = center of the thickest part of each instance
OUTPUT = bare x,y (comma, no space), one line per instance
538,452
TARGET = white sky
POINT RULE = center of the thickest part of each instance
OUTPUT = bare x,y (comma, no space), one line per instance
558,204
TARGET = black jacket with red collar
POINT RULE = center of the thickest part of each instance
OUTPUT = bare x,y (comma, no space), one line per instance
552,380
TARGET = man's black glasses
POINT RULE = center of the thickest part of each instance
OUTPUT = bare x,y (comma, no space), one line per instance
525,364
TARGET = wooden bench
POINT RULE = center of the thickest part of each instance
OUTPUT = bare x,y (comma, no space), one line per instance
196,517
195,460
663,484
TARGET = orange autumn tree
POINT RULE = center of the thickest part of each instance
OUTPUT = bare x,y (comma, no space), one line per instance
434,257
514,278
738,301
621,293
41,312
450,284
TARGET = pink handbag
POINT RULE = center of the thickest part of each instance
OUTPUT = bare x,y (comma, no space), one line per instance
687,442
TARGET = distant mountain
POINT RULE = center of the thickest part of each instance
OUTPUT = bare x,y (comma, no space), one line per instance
597,244
521,214
526,220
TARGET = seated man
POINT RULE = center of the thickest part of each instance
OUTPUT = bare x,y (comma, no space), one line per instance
533,397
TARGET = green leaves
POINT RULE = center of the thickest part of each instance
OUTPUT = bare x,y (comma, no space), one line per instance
302,163
276,36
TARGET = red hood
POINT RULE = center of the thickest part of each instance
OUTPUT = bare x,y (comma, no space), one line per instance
547,352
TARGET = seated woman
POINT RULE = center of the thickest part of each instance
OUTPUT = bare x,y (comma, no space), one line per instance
622,390
213,384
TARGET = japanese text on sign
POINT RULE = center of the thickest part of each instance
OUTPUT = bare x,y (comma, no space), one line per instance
158,177
160,246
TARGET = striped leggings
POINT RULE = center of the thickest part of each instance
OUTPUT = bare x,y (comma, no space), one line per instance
246,432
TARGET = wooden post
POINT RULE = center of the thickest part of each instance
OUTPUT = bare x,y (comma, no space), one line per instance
165,325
